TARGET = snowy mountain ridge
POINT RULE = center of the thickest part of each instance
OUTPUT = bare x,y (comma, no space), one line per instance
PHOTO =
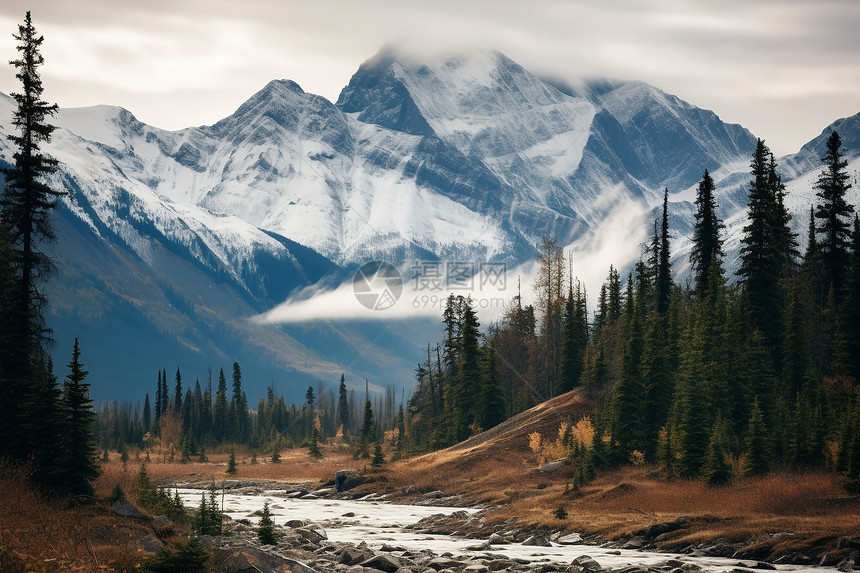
174,239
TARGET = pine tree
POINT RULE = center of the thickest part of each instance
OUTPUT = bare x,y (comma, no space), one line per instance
219,411
231,463
466,388
147,414
343,405
663,283
767,247
78,437
378,457
266,528
239,407
25,207
707,244
834,214
158,400
493,400
717,470
177,394
758,447
851,306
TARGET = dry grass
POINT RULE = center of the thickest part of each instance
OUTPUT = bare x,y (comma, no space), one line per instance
296,467
498,467
37,534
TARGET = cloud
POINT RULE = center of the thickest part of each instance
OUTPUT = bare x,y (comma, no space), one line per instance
185,62
616,241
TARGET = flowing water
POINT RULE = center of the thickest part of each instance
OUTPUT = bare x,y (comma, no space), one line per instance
379,523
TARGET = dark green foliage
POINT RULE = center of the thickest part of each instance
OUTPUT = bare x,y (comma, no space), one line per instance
492,402
266,527
184,555
209,517
834,214
378,457
314,444
707,244
219,410
78,439
663,281
768,248
758,450
231,463
560,512
717,470
343,405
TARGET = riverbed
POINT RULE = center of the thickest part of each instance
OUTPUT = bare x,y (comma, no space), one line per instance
379,523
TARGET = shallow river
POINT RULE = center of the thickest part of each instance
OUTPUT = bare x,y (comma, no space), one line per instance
378,523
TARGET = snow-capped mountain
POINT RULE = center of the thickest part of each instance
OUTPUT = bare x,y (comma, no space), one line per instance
169,241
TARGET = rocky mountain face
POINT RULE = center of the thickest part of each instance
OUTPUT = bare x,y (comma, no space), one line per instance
170,241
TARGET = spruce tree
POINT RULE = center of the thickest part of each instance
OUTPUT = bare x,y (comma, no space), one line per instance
343,405
147,414
466,388
663,284
833,214
266,528
25,207
219,410
78,437
177,394
492,401
767,247
717,470
851,306
707,244
758,449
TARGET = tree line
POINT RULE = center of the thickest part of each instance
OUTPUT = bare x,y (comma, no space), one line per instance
713,378
44,424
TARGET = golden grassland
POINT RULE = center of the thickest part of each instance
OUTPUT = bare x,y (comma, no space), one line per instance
496,469
39,534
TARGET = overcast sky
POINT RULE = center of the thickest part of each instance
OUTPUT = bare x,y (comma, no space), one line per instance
785,70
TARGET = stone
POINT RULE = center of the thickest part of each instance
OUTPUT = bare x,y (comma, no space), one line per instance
477,568
253,559
351,556
497,539
551,466
845,565
345,480
663,528
294,523
150,544
440,563
587,563
537,541
161,521
572,539
312,535
125,508
382,562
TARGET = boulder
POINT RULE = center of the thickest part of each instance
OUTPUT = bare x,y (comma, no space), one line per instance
587,563
161,521
537,541
345,480
248,559
551,466
572,539
382,562
125,508
439,563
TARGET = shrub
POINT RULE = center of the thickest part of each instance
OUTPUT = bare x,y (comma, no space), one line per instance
186,556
